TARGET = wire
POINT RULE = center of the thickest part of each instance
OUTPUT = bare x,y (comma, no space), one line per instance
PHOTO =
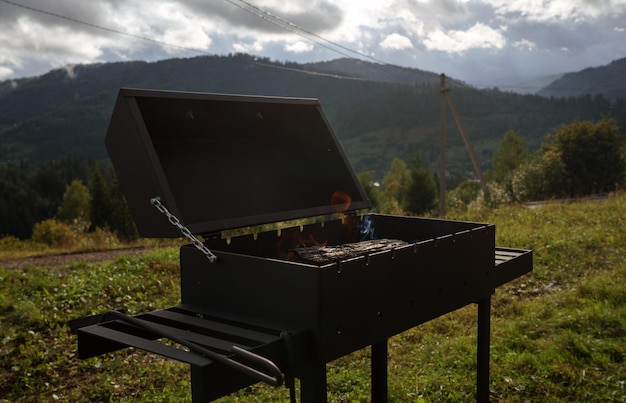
281,22
91,25
313,37
284,25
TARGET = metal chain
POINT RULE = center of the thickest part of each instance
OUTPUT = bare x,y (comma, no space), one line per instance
156,202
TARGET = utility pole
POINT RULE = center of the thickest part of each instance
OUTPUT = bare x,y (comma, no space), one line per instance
445,95
442,145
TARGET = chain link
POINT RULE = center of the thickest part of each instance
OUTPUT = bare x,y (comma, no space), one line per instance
156,202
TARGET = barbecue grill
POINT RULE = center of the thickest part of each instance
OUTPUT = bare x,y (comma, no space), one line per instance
274,305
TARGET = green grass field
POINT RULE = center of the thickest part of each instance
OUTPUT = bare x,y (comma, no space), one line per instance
558,334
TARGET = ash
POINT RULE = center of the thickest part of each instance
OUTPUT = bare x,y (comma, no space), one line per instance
329,254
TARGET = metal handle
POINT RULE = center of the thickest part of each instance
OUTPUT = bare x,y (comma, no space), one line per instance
273,376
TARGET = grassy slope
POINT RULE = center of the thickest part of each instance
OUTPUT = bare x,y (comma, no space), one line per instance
558,334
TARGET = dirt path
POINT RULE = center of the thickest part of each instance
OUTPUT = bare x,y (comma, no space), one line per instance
67,258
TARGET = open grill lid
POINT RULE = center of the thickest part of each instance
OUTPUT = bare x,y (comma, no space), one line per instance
227,161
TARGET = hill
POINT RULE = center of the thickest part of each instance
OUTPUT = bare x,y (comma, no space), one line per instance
532,86
379,112
608,81
375,72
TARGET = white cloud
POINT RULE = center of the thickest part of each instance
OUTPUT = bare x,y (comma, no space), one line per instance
396,42
190,37
558,10
248,48
5,72
478,36
525,44
299,47
468,37
70,70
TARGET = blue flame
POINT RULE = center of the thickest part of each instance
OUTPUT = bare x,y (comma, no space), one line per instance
367,228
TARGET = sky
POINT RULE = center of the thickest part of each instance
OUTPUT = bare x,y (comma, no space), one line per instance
483,42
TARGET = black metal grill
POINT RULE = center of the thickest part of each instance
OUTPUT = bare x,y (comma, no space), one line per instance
256,314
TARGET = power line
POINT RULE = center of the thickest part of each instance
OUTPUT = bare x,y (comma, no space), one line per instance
318,39
92,25
282,23
285,25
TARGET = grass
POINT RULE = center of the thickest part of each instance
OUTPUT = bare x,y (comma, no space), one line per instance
558,334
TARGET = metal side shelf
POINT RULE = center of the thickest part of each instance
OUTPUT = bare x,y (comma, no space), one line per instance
510,264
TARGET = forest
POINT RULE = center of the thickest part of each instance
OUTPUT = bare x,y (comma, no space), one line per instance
82,193
50,201
52,129
53,116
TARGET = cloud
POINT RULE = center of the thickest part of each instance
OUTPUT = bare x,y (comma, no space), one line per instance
316,15
396,42
552,11
454,41
464,38
299,47
525,44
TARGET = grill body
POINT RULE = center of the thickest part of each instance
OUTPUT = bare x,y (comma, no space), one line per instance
220,162
355,303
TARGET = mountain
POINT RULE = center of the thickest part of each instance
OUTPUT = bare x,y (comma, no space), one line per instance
532,86
608,81
371,71
379,112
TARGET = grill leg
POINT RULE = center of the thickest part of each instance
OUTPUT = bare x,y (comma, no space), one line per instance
482,362
313,383
379,372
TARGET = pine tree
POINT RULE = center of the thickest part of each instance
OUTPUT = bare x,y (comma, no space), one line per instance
100,207
511,154
420,194
121,221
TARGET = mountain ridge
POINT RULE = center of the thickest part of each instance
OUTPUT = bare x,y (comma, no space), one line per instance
379,112
608,80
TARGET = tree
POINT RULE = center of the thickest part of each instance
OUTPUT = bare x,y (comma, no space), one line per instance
76,203
100,207
121,221
510,155
419,195
540,178
370,188
464,194
393,183
580,158
590,153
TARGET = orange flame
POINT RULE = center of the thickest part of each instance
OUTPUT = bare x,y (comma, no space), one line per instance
290,239
341,201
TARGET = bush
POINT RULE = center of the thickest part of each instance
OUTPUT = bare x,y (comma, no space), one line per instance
54,233
13,243
464,194
99,239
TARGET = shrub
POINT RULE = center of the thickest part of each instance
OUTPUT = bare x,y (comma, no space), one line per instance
53,233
